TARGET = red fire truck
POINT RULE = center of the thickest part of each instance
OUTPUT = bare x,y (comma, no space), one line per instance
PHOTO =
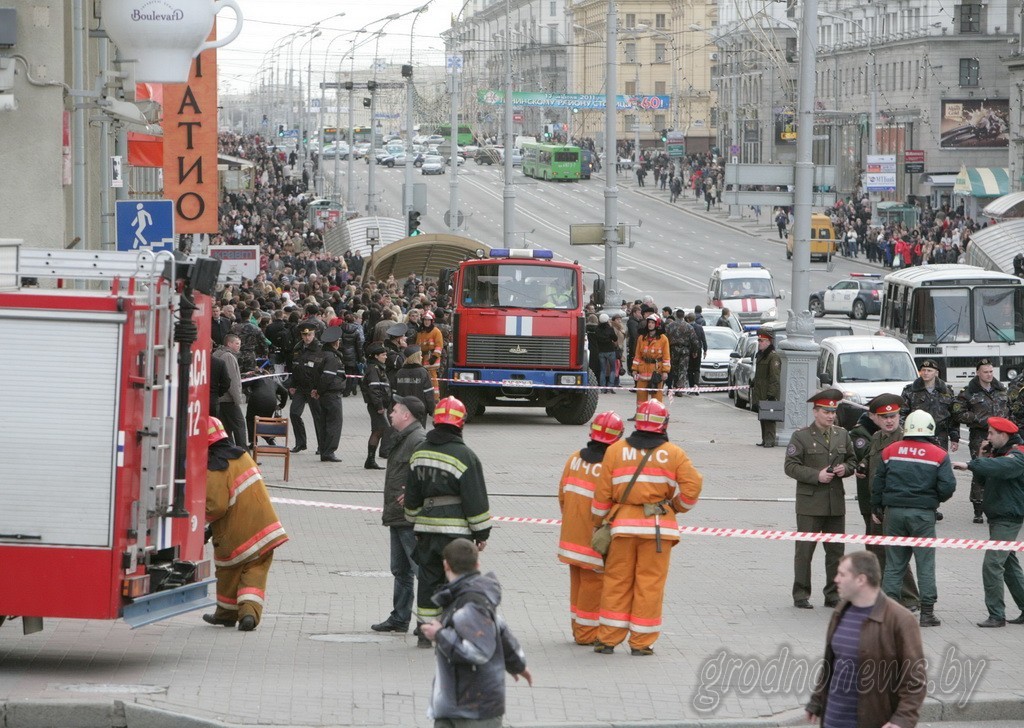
518,323
103,456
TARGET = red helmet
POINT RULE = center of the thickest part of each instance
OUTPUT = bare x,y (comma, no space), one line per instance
652,416
215,431
654,317
450,411
606,427
428,315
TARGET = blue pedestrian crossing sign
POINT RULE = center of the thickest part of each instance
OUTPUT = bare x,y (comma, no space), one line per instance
145,225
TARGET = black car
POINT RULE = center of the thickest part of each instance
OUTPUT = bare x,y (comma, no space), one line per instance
858,296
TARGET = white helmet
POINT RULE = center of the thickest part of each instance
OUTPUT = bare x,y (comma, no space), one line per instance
919,424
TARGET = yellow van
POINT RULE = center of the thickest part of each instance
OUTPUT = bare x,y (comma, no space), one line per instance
823,238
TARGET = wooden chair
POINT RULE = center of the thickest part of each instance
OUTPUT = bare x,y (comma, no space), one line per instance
277,428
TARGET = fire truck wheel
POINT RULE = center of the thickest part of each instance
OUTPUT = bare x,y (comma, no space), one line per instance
472,400
577,409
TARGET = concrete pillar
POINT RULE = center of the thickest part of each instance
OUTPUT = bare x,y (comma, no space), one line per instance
799,352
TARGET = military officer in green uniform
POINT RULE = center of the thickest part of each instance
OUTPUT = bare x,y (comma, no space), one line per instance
767,384
818,458
884,413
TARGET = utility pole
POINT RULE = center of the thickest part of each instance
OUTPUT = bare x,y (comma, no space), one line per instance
508,194
455,67
611,157
371,191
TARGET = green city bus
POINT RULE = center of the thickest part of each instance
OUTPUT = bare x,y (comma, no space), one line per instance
551,161
464,138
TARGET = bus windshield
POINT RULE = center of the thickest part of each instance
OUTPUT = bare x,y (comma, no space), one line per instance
522,286
940,315
998,314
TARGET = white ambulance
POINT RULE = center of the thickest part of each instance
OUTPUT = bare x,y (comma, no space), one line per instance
747,290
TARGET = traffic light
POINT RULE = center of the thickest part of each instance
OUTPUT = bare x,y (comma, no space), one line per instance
414,223
664,135
547,131
280,130
366,102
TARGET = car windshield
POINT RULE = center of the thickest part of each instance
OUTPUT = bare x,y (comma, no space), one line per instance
747,288
719,338
875,366
522,286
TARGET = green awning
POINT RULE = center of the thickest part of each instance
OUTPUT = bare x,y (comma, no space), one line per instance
982,181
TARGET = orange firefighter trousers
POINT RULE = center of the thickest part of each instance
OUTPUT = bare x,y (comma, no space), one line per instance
241,589
633,590
585,603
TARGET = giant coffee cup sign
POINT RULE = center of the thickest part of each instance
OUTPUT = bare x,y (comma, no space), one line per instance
163,36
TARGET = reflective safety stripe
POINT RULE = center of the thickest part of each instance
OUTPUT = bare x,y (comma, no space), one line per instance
567,551
251,594
451,530
425,614
228,604
644,477
255,545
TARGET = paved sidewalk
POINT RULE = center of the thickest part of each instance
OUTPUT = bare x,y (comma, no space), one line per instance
734,649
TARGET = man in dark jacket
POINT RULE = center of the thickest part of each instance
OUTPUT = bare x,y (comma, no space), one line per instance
693,369
869,634
767,384
445,498
475,647
405,418
352,341
263,397
983,397
330,383
606,344
412,380
929,393
1001,466
913,478
302,382
876,429
377,394
682,342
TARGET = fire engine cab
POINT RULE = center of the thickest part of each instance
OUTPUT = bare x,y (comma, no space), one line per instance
103,455
518,324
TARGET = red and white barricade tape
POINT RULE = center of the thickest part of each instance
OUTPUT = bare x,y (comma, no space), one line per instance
970,544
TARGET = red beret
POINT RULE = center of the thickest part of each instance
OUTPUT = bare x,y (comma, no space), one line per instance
1001,424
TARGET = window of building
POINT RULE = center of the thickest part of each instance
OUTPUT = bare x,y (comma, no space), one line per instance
659,88
552,34
631,120
659,21
970,18
629,50
660,122
659,53
630,88
553,8
970,69
630,20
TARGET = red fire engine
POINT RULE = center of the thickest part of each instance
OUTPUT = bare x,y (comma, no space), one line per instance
103,456
518,322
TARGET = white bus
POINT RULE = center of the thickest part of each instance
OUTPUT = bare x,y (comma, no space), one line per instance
957,314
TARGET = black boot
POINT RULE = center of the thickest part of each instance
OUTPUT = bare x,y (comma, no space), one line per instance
370,463
928,618
978,515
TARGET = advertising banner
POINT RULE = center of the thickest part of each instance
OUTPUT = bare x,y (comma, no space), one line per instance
237,261
913,161
573,101
880,175
974,123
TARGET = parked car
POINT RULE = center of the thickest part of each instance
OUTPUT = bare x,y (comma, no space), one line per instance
863,367
858,296
714,367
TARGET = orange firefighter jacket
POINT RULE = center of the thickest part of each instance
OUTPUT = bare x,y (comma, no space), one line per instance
575,497
668,478
245,525
652,355
430,343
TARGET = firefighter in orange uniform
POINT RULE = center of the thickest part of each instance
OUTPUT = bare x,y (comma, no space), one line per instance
645,480
575,498
652,361
431,342
245,531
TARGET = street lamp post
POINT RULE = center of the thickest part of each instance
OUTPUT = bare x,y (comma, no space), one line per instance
611,191
304,103
409,99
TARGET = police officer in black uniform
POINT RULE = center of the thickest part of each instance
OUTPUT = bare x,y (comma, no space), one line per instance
329,386
305,361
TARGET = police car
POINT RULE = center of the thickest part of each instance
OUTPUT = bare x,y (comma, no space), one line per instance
858,296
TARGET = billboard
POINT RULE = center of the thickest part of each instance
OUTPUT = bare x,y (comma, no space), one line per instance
880,173
975,123
573,101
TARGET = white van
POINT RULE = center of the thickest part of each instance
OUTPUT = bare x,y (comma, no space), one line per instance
747,290
863,367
